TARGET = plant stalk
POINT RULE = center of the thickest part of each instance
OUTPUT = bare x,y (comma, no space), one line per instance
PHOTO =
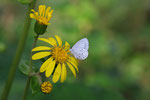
18,54
24,97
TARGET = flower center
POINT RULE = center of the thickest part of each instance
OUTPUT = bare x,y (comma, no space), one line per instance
42,19
60,54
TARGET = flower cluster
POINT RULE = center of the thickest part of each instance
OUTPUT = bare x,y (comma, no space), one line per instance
58,57
43,16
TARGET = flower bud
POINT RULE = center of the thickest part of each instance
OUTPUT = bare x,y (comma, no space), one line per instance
39,29
46,87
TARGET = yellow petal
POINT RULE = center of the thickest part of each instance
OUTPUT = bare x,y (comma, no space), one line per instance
46,23
46,64
51,11
49,15
74,64
40,9
36,14
41,48
73,60
32,15
58,40
67,46
57,73
47,40
44,8
53,41
40,55
63,73
47,11
33,10
72,69
50,68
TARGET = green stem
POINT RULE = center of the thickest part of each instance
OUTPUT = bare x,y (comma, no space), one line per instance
19,51
24,97
29,77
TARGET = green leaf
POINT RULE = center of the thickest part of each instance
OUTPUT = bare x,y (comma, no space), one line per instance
35,86
24,68
25,1
35,69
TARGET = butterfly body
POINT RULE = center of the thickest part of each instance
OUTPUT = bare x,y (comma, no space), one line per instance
80,49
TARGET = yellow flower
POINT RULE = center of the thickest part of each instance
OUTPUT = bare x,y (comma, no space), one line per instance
43,16
46,87
58,57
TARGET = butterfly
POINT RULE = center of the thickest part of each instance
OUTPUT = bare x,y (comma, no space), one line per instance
80,49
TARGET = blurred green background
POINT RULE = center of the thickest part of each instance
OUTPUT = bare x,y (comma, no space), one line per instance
118,66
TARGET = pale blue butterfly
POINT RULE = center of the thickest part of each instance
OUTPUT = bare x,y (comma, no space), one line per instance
80,49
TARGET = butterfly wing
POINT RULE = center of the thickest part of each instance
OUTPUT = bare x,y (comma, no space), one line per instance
80,49
83,43
81,54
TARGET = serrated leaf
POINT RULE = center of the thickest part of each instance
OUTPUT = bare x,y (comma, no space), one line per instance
35,86
25,1
24,68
